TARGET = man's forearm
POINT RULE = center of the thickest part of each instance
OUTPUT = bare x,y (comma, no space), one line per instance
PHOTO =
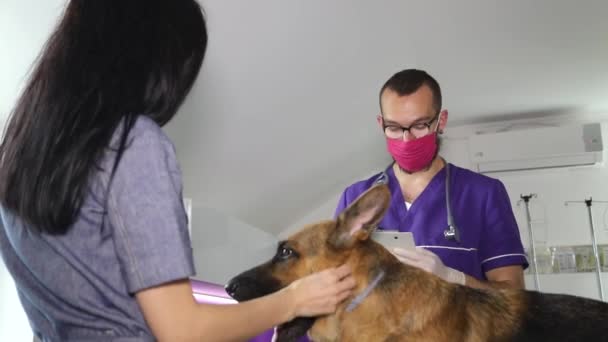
506,284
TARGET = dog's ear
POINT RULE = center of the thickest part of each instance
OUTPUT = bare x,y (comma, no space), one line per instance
361,217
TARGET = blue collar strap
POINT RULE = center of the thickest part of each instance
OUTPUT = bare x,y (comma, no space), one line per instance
361,296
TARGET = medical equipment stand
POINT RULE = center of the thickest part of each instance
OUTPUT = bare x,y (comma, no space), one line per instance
598,267
526,200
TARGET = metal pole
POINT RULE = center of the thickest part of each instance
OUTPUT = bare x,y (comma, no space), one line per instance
598,269
526,199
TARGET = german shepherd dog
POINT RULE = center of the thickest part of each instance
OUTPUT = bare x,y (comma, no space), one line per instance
409,304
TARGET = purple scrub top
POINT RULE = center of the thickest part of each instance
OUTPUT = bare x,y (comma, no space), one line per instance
489,236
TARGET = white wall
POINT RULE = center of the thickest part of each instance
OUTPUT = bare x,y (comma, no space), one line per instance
224,246
326,209
24,27
14,325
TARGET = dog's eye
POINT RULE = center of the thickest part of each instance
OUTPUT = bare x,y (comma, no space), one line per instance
285,253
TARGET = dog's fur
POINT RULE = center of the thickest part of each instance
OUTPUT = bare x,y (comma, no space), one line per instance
410,304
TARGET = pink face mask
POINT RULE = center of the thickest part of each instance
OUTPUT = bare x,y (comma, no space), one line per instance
413,155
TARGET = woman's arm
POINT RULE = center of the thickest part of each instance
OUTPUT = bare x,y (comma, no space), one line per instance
173,314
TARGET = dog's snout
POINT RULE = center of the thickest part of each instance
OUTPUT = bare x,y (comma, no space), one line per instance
243,288
232,287
249,285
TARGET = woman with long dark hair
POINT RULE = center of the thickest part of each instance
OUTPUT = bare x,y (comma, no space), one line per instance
92,224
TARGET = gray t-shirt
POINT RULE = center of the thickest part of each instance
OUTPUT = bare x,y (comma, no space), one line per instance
80,286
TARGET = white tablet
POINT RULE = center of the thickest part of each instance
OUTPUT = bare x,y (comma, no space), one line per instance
392,239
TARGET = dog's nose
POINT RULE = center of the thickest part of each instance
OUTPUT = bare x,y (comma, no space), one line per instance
231,288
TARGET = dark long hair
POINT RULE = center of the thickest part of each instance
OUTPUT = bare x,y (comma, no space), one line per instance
106,62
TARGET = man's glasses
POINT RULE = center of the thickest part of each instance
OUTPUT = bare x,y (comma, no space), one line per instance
418,130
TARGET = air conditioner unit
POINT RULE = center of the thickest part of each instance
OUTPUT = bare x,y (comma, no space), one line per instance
537,148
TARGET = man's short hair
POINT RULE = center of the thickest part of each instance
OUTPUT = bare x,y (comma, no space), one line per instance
408,81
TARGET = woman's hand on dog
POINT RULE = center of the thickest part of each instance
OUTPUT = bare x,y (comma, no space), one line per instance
321,292
430,262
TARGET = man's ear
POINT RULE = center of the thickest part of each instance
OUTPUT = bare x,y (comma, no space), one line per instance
361,217
443,120
380,121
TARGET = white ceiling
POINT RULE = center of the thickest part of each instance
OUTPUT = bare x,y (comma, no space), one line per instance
283,114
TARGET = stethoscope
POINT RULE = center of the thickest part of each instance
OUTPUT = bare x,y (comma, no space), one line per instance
451,232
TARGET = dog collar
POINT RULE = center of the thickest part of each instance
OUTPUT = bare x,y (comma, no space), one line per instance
361,296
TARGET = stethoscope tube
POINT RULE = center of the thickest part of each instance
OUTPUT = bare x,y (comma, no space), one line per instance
452,232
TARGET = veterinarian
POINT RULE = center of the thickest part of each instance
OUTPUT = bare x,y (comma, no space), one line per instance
92,227
468,236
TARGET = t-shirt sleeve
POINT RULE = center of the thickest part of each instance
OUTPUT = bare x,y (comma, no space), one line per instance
500,243
147,214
